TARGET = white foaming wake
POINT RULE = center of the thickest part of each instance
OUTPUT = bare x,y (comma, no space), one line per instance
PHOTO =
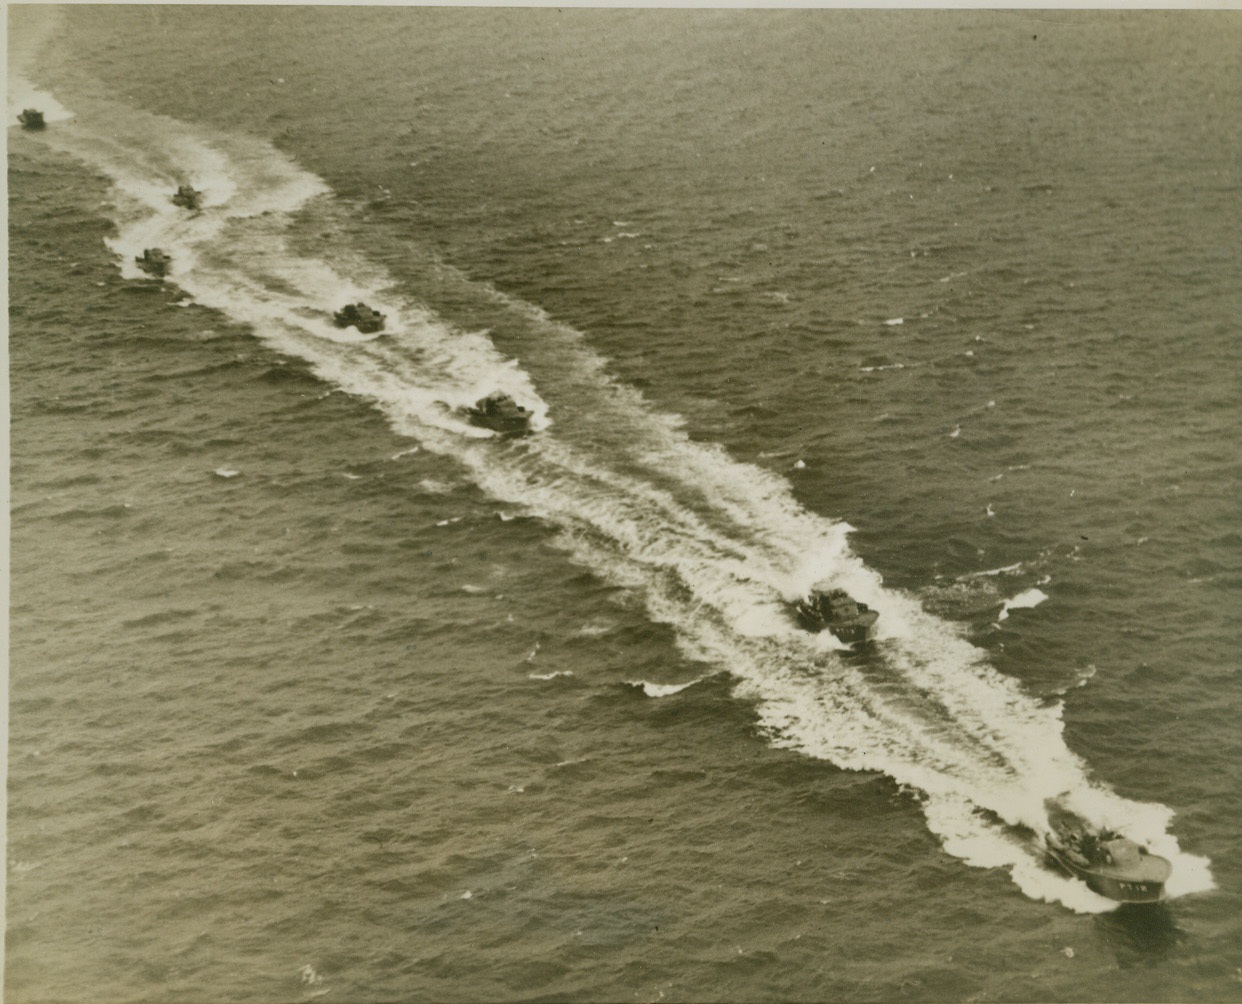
22,94
234,255
717,549
30,29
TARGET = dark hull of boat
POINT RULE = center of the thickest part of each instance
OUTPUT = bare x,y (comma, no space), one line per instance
153,267
365,325
502,426
1119,887
500,413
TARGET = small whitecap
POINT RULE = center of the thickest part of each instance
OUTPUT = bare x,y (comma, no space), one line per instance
226,472
593,630
799,465
957,431
1006,569
660,689
467,895
894,321
1025,600
550,676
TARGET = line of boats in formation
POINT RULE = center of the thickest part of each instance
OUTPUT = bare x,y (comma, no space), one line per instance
497,411
1107,862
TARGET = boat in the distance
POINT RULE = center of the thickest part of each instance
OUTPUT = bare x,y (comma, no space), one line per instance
188,197
1110,864
360,316
155,262
31,118
832,609
500,413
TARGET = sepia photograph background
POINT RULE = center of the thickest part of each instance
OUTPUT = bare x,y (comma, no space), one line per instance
320,687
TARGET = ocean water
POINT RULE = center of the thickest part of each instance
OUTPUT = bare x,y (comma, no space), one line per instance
318,691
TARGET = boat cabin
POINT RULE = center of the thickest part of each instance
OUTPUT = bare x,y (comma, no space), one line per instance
360,316
500,413
155,262
188,197
833,609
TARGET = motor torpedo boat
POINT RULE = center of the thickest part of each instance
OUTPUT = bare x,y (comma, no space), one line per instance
500,413
832,609
1111,865
188,197
154,262
360,316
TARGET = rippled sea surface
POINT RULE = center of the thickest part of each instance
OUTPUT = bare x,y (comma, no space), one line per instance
317,690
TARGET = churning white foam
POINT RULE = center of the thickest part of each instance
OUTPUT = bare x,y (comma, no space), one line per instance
715,548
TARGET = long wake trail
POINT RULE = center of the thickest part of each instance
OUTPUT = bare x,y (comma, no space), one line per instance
715,548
